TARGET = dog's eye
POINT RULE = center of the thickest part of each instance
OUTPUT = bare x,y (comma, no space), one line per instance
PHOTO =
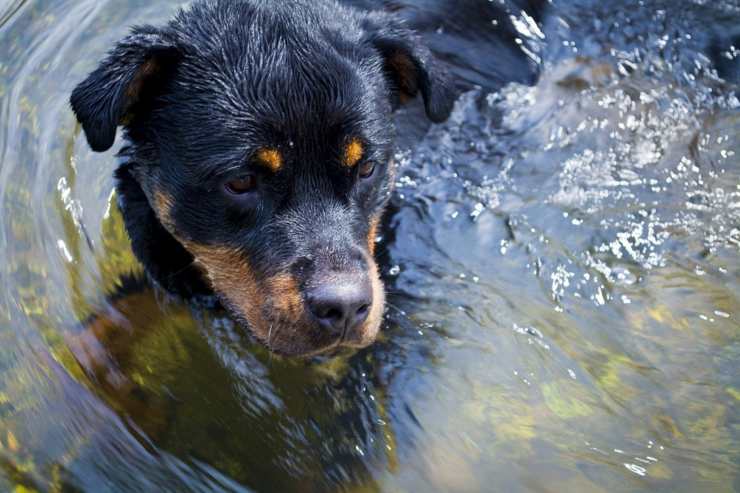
243,184
367,169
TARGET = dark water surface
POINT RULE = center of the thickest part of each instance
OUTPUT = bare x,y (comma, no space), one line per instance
562,259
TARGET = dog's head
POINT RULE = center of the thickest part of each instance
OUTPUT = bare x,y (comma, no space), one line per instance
261,137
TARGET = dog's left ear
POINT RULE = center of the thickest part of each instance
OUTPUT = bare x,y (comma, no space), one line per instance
411,67
131,75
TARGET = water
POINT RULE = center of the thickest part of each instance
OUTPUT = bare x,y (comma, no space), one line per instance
562,261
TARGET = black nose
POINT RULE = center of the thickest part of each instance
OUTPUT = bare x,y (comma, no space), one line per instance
341,306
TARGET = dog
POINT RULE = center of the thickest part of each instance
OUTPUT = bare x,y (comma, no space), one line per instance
258,157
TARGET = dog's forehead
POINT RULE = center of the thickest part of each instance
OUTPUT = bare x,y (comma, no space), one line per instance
260,80
286,107
295,115
283,85
287,58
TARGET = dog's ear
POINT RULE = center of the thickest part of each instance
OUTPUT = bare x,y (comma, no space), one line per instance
129,77
410,67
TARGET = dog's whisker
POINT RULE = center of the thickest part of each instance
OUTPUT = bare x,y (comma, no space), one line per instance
180,271
401,312
269,346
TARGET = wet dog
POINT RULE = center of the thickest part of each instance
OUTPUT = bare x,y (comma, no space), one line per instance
258,157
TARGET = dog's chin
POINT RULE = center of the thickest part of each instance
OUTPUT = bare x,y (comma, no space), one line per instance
300,341
304,342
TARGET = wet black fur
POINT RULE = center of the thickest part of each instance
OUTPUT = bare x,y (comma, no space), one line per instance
198,97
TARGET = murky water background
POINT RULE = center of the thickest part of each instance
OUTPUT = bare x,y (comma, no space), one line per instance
562,258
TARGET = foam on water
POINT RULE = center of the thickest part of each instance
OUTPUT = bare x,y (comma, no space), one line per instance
635,146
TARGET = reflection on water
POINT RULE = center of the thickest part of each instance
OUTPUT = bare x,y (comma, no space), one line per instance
561,259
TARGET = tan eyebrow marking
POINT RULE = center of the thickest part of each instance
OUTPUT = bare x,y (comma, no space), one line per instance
271,158
353,152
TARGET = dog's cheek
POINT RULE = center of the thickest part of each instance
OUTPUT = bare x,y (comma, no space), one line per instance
290,328
233,279
372,234
370,329
162,204
272,308
375,318
227,271
285,297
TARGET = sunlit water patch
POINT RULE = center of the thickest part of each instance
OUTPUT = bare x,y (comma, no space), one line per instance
612,185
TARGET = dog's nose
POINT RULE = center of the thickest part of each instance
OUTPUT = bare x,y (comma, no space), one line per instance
341,306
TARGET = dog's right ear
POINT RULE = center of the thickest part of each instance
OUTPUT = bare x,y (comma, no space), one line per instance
129,77
410,66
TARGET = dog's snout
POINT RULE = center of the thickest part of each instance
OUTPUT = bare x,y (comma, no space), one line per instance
341,306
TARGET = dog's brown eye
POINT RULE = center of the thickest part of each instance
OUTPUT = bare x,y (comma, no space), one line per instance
367,169
242,185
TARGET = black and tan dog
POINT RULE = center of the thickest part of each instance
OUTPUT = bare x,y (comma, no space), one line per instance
258,157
